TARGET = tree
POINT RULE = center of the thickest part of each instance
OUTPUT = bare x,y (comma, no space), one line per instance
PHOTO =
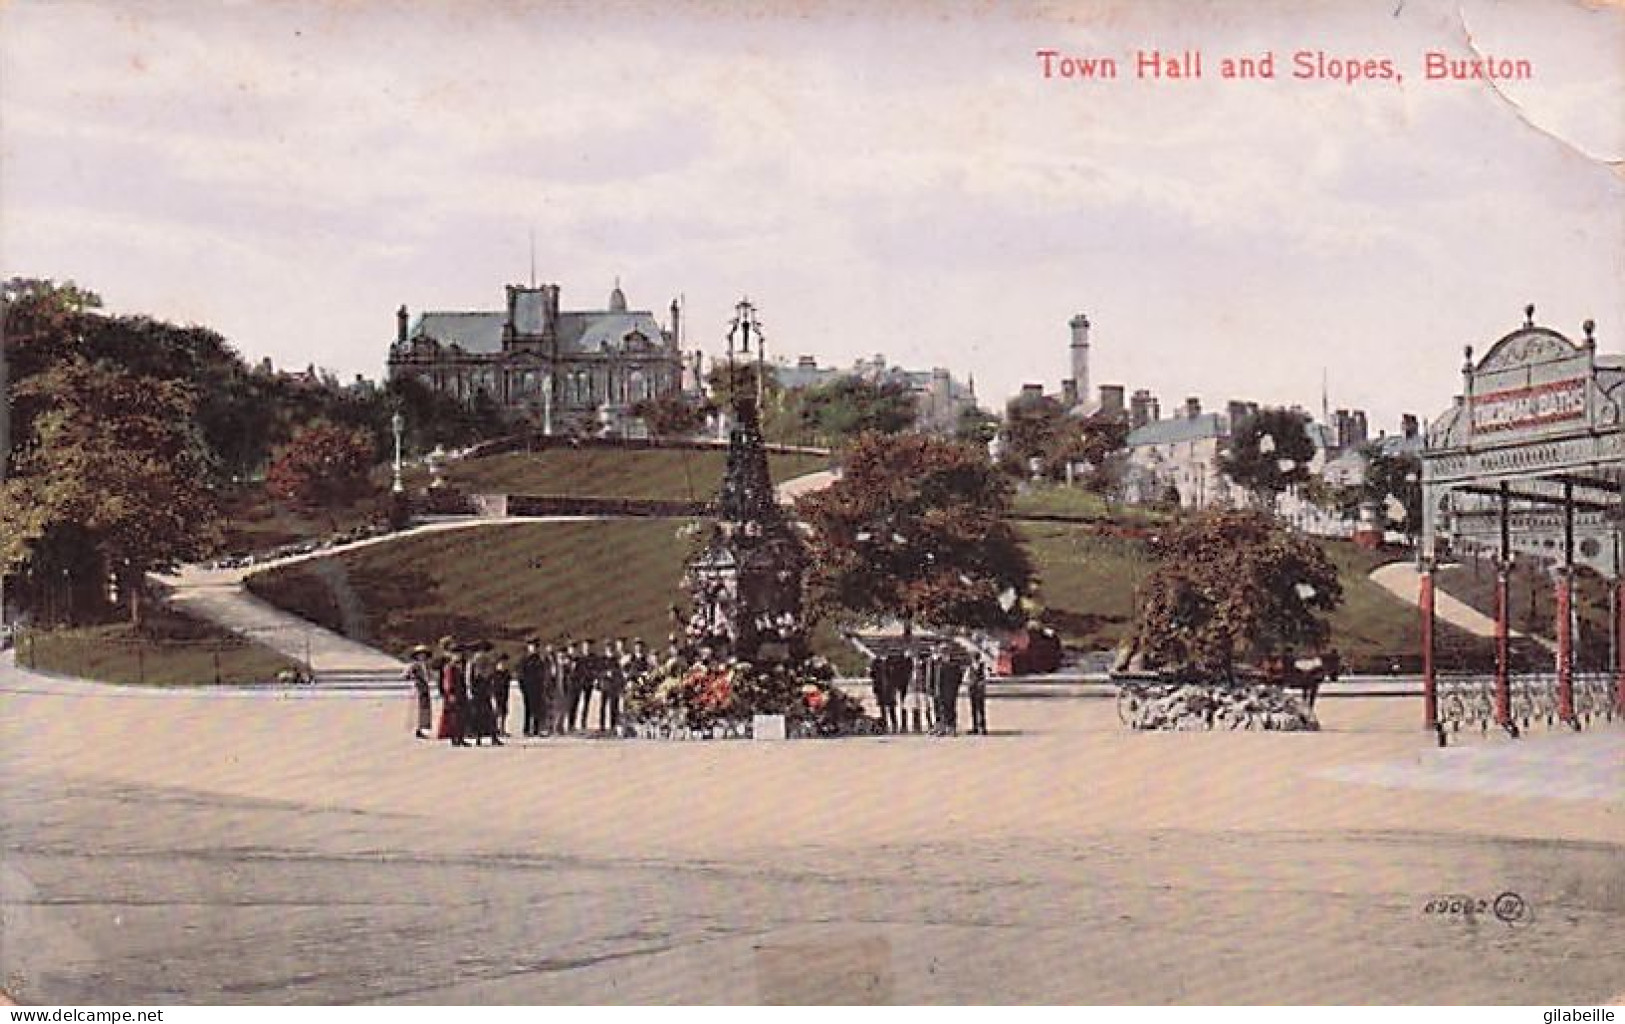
1033,426
41,324
841,409
1095,443
1394,483
1269,452
671,415
324,466
915,529
1230,584
115,466
976,426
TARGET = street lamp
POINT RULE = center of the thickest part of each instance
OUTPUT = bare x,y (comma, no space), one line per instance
397,423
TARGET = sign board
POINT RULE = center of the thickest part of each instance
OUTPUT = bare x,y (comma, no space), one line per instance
1532,406
767,727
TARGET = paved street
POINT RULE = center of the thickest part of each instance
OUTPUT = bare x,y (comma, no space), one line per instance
270,848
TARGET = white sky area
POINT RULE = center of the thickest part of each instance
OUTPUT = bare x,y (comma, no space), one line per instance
897,178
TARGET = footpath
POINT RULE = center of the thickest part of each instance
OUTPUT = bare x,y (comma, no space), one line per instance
1403,581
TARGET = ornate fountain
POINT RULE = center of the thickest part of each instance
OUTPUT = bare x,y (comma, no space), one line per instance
745,585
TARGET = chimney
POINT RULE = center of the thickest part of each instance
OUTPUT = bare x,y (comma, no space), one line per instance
400,324
1078,352
1142,409
1032,391
1111,400
1193,407
807,363
1069,393
1408,426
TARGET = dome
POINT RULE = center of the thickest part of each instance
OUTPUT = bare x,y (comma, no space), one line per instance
617,299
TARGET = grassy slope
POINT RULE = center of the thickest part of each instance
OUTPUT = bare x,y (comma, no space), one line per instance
607,473
1060,500
1087,584
172,650
254,522
1086,581
503,582
1533,602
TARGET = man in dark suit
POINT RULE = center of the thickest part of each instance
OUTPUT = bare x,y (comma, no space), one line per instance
950,671
976,677
583,673
883,681
530,687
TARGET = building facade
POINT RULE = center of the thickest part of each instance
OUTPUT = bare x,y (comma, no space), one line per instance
1179,455
563,370
939,399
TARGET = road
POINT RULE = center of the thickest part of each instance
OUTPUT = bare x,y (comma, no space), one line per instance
238,847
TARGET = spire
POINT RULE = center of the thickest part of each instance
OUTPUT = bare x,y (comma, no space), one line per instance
617,298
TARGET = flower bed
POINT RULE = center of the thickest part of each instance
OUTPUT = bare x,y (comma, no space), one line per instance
718,699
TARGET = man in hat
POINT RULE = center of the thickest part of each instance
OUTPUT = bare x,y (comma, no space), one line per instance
417,671
501,691
883,681
611,684
531,681
583,673
950,671
976,684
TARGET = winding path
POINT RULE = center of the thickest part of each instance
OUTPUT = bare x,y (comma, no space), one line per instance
1403,581
219,595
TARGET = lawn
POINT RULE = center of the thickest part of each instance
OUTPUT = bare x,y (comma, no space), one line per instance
670,473
502,582
253,521
172,649
1048,499
1088,579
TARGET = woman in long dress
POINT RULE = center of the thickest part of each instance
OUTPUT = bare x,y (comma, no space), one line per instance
453,701
482,718
418,671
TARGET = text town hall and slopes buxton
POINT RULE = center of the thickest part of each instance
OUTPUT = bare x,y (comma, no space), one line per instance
565,370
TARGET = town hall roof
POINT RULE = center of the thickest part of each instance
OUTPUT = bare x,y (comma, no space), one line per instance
470,331
591,330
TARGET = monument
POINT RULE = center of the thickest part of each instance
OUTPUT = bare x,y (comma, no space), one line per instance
746,584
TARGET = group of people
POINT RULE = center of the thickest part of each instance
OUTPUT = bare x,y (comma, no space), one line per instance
556,686
933,678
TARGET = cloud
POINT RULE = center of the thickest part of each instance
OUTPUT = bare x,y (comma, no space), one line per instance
902,181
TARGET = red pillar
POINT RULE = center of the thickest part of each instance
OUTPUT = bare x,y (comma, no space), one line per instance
1503,670
1565,647
1430,692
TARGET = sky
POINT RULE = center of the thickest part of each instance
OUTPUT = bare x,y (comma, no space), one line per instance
899,178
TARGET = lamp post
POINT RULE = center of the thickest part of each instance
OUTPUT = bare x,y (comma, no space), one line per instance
397,423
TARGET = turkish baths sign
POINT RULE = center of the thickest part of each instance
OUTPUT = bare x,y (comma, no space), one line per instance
1533,406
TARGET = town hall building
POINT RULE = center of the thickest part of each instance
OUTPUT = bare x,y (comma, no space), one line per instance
564,370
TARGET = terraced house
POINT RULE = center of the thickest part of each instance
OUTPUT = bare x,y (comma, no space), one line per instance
564,370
